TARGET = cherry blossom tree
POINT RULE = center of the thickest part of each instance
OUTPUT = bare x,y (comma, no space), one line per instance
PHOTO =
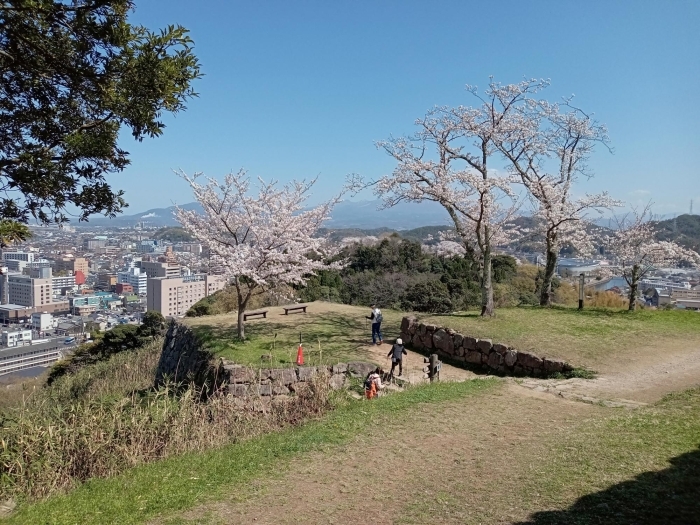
636,251
547,146
260,242
448,161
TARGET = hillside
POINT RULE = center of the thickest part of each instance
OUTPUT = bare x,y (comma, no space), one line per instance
684,229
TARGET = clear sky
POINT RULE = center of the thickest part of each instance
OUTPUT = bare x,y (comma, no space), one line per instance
295,89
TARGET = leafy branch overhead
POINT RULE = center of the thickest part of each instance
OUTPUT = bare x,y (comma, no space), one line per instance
74,76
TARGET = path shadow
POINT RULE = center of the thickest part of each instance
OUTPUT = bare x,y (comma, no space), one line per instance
670,496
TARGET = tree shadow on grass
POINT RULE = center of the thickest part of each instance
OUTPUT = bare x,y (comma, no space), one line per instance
670,496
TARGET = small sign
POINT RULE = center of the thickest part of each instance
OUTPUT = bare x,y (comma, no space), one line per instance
439,366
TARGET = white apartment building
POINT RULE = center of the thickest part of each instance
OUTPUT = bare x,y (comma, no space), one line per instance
42,322
173,296
136,277
20,337
18,256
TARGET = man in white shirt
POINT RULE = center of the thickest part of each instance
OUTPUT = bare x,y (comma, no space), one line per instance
376,318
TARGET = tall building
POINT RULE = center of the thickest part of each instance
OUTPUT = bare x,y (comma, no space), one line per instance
91,244
155,269
173,296
136,277
25,290
71,264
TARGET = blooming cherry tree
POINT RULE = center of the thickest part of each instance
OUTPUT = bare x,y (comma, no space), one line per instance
259,242
547,146
637,252
447,161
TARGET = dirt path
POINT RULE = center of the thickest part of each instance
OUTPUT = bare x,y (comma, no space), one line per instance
385,475
645,377
413,365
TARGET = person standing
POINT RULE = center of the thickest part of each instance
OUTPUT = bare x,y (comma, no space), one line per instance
396,353
376,318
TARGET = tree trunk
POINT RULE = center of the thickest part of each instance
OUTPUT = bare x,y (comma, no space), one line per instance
486,284
550,266
634,285
241,323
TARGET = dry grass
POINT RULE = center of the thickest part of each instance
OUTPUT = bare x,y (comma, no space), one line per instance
106,419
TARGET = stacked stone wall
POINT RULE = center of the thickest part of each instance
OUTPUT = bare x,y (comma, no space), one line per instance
483,353
183,359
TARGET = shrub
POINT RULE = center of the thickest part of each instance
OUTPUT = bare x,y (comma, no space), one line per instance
430,296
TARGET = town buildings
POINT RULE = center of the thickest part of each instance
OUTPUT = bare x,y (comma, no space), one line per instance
173,296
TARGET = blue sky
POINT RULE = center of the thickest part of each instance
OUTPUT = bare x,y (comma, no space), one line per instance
295,89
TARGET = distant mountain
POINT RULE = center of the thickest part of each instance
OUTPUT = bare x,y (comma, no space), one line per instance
348,214
159,217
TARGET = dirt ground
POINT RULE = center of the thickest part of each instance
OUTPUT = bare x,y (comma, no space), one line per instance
380,474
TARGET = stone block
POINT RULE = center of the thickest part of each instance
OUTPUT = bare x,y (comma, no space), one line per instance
495,360
284,376
421,330
337,381
473,357
553,365
501,349
360,369
408,325
430,328
279,390
484,345
510,357
469,343
238,390
518,370
265,390
428,340
528,360
265,373
457,340
340,368
443,341
459,351
306,372
241,375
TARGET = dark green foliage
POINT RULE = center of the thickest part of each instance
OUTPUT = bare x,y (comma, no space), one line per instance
75,76
430,296
153,324
684,229
119,339
504,268
173,234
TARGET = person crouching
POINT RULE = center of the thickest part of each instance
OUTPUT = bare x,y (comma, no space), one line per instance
373,383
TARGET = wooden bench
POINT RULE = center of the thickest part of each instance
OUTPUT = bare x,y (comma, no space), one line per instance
295,308
246,315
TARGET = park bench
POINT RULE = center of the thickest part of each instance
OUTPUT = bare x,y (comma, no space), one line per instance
295,308
246,315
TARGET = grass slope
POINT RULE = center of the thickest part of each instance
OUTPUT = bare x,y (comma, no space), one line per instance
585,338
179,483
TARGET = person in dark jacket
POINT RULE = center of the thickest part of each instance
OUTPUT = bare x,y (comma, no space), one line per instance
396,353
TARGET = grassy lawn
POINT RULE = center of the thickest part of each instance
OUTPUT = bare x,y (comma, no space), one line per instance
584,338
614,467
179,483
341,331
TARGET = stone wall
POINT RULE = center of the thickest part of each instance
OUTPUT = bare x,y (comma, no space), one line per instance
184,360
247,382
483,353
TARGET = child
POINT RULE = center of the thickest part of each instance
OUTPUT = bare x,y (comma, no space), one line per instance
373,384
396,353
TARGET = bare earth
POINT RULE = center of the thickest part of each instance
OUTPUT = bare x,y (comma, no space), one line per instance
493,445
381,474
